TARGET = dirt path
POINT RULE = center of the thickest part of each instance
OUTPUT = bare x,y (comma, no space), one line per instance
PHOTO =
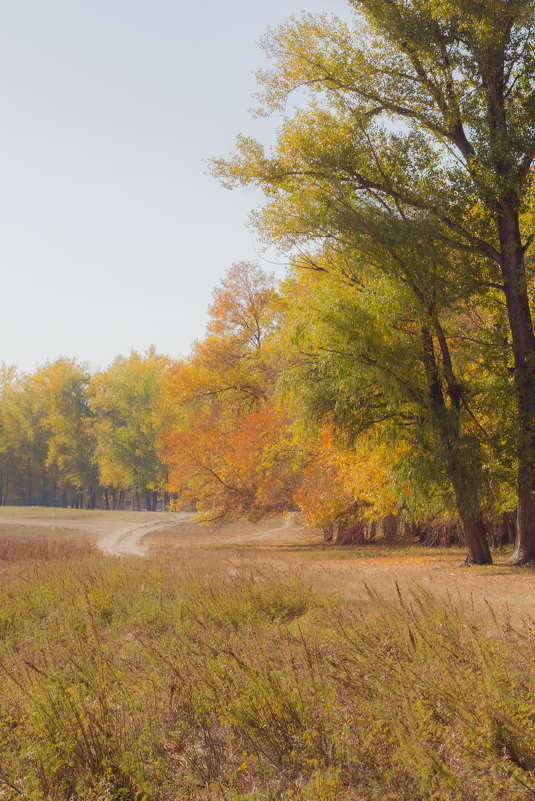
127,540
114,533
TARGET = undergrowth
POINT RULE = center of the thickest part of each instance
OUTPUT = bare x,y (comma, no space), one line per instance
123,680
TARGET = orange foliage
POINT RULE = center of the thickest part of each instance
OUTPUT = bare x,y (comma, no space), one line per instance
337,481
233,465
230,447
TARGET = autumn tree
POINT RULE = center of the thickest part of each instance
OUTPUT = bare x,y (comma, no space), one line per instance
366,358
128,405
423,111
229,449
26,440
63,387
344,491
10,467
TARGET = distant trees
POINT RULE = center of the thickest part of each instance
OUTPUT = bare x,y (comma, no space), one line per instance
362,392
128,409
63,387
72,439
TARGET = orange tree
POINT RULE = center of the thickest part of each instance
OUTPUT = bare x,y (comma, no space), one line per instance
230,448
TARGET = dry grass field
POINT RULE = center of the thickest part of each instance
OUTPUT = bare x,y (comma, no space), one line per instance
255,663
280,546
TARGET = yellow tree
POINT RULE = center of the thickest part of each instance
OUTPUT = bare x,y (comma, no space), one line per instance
128,405
63,387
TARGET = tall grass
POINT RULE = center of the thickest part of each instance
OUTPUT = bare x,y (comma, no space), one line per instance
123,680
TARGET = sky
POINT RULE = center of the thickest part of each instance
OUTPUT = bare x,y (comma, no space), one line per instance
112,236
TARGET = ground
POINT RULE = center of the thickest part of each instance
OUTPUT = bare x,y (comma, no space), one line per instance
279,545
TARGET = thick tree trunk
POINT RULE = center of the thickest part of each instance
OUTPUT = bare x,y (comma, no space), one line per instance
121,500
523,337
475,539
154,501
148,500
106,499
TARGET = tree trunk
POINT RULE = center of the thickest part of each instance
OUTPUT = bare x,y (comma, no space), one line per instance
30,487
389,527
475,539
121,500
148,500
523,337
106,499
44,490
154,501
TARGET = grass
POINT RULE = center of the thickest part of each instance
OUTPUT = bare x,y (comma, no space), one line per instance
15,551
122,679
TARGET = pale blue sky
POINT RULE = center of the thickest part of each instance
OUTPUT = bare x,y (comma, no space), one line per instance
111,235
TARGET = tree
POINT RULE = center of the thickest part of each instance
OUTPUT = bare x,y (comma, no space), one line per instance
367,360
229,448
9,457
128,404
346,491
63,387
24,424
423,110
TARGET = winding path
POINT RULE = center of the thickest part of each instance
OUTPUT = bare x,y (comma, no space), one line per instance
127,540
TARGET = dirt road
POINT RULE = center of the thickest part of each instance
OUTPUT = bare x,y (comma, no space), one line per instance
127,540
132,533
115,533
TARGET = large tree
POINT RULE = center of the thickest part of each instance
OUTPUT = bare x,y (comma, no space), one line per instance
424,110
63,387
377,355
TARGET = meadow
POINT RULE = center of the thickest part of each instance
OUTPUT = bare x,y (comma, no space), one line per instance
232,672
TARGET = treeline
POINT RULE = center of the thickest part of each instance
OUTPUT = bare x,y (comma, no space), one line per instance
329,396
402,173
314,394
